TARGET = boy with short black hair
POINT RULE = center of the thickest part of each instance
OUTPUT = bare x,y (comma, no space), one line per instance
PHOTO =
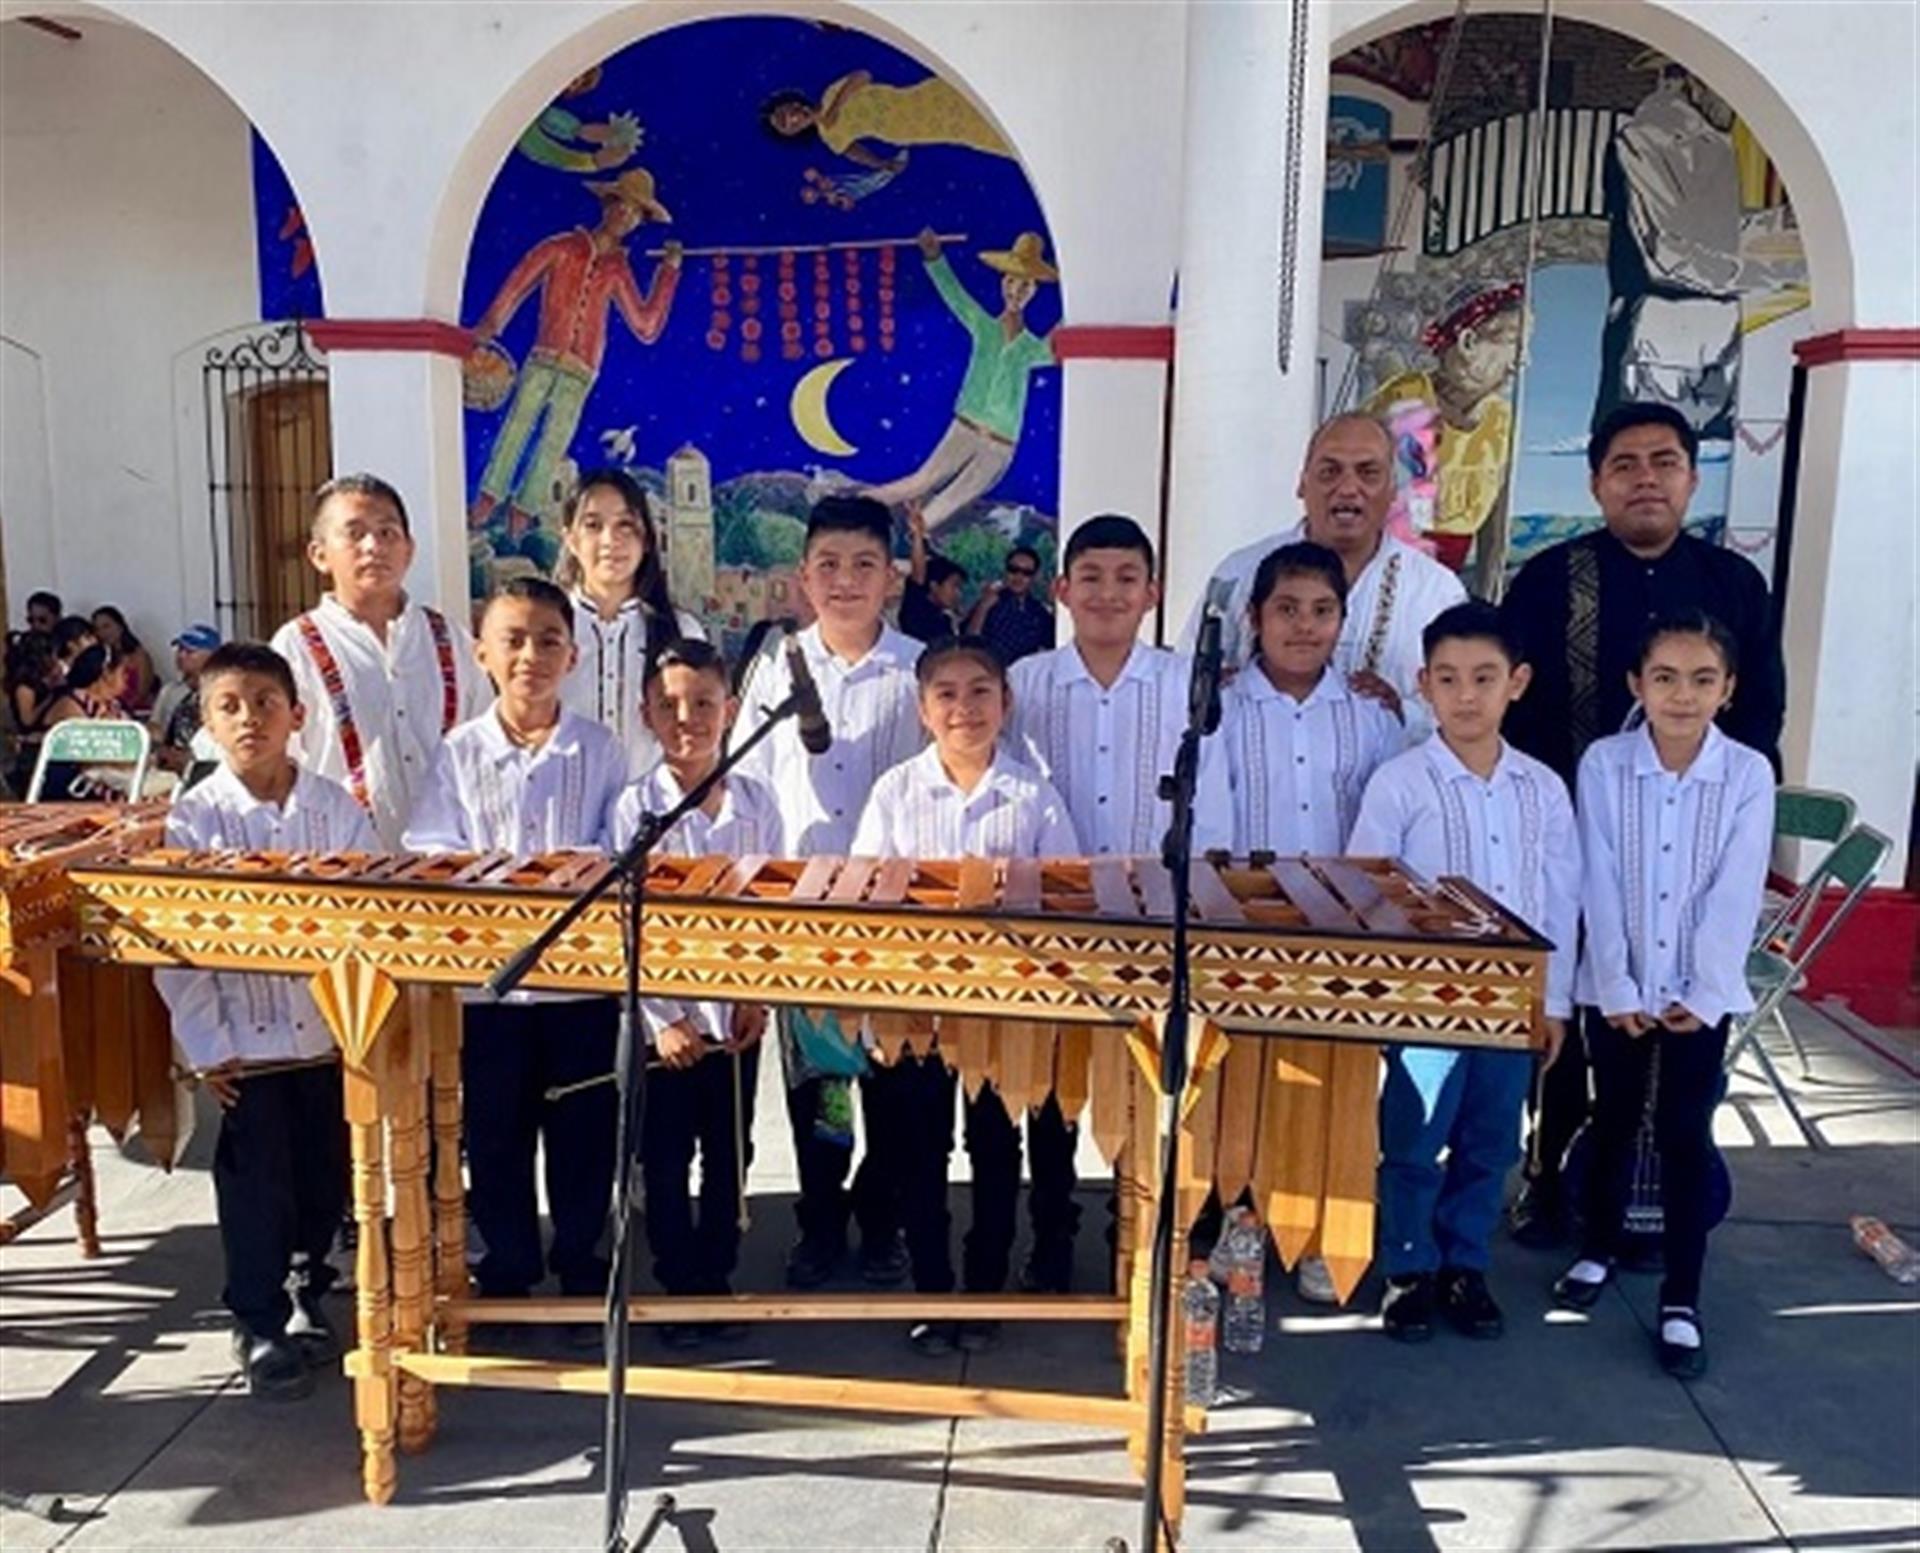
930,597
1102,718
257,1042
964,796
700,1096
530,776
864,671
1466,803
384,679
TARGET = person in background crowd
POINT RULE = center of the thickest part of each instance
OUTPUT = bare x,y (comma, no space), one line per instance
930,601
129,665
33,684
176,711
1011,617
44,610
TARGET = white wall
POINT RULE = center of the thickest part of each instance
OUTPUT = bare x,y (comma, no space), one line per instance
125,236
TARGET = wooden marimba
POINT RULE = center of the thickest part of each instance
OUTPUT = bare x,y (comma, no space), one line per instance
77,1039
1044,977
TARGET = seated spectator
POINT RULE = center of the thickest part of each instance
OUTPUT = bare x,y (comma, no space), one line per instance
85,693
129,665
43,611
72,635
33,683
176,711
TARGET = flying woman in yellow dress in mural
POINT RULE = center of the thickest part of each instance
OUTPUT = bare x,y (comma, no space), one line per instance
856,109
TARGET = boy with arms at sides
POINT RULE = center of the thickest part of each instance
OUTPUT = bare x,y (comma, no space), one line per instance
1676,830
700,1095
963,797
1465,802
525,777
384,679
1102,718
280,1168
864,671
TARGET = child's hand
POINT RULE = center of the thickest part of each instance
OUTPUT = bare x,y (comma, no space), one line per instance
1679,1020
1556,1038
749,1024
1367,683
1634,1023
222,1081
680,1045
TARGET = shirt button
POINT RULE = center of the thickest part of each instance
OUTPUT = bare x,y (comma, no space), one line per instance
1495,840
1303,808
1666,846
1299,760
1663,895
1663,943
1103,797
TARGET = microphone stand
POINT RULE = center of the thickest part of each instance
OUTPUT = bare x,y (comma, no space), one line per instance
630,1082
1176,852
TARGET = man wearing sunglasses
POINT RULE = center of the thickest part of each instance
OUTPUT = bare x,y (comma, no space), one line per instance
1014,619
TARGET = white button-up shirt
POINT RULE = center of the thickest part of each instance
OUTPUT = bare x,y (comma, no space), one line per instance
606,684
873,707
1512,834
1674,869
1392,601
1105,747
488,794
747,822
396,690
917,811
220,1015
1297,769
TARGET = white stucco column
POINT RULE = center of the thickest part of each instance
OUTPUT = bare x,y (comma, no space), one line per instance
397,414
1240,421
1851,638
1113,425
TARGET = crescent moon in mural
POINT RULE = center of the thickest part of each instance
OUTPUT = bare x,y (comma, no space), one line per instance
809,406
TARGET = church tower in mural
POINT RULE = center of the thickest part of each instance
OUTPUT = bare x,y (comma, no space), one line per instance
689,528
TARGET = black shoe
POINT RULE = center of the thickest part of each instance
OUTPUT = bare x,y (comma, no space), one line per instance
1677,1359
1465,1302
1571,1293
978,1336
312,1332
1539,1217
884,1265
274,1369
811,1263
933,1339
1406,1309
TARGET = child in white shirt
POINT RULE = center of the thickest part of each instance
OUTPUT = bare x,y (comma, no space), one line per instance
1676,828
280,1168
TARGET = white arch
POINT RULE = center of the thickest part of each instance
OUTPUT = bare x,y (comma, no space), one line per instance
1775,121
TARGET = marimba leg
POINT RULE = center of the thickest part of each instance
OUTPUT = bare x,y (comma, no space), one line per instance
449,1191
412,1220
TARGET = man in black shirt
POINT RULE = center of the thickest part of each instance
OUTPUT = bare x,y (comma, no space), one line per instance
1011,615
1579,610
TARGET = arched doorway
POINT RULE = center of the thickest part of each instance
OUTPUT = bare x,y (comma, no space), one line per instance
1668,264
732,212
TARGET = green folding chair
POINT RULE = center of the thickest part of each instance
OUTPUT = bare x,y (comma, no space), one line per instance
1777,965
1803,814
103,750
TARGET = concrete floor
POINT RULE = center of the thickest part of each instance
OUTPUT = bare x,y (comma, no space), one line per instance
117,1394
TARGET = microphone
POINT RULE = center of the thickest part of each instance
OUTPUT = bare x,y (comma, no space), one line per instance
1203,690
816,734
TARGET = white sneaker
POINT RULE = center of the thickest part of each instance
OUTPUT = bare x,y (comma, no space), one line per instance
1314,1283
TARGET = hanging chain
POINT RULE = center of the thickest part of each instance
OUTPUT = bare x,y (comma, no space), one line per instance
1290,195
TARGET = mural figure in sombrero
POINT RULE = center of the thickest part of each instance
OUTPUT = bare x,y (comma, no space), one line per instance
979,445
1475,344
856,109
581,275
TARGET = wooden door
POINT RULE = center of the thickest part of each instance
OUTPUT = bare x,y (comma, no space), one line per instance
289,442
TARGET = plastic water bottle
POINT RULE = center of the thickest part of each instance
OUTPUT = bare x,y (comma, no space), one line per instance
1246,1262
1898,1259
1200,1305
1217,1260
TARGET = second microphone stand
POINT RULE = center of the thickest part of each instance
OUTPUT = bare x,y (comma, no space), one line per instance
629,871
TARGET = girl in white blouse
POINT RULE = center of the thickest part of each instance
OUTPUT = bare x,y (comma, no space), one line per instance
613,569
1676,824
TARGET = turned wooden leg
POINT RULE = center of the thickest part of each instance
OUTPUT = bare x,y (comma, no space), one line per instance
357,1001
449,1193
86,1196
412,1226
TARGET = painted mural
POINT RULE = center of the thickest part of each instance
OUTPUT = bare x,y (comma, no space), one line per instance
752,261
289,274
1668,268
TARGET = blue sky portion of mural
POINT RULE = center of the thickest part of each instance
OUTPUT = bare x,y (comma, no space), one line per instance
289,275
697,93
